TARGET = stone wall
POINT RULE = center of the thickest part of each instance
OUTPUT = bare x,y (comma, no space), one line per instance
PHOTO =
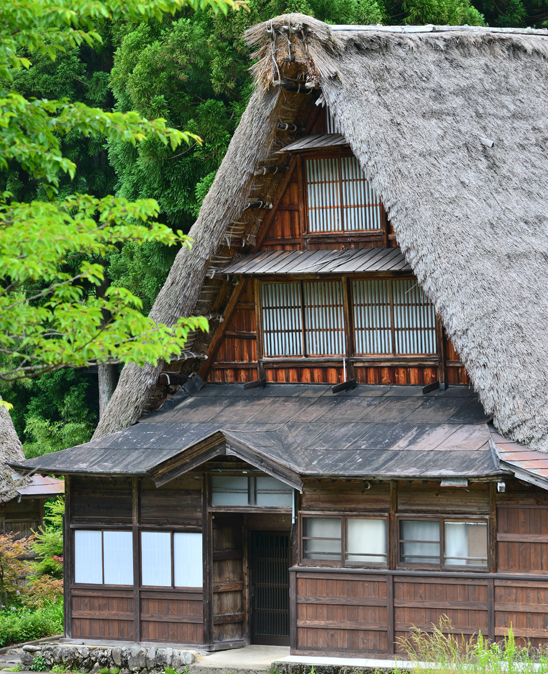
131,659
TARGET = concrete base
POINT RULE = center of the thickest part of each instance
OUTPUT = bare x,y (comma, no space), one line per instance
302,664
239,661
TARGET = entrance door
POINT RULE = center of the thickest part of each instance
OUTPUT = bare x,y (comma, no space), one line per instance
270,559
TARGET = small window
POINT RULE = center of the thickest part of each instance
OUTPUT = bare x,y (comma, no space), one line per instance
103,557
339,196
365,540
249,490
303,319
163,550
393,317
420,542
464,543
322,538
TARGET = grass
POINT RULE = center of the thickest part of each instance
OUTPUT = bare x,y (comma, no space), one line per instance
24,624
444,652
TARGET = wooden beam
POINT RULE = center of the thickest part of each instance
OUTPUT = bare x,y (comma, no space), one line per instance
207,549
259,329
265,224
219,335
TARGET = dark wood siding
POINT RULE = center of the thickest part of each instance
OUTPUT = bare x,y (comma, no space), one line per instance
174,617
522,538
135,613
102,613
101,500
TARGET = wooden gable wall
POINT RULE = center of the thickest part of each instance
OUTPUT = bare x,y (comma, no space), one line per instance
234,354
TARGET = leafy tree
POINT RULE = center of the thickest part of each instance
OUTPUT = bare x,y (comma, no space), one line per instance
48,317
12,568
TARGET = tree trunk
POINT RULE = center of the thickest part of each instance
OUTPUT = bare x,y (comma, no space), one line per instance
107,384
11,449
225,201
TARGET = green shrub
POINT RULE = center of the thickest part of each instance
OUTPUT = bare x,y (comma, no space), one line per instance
38,664
444,651
25,624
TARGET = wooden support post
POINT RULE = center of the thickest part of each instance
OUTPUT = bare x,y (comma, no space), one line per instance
348,331
219,335
136,559
492,563
440,338
68,559
292,611
390,633
393,526
259,330
491,609
207,543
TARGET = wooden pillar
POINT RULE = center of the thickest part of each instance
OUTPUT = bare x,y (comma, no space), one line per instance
390,633
292,611
136,560
348,331
259,330
207,551
492,562
393,535
491,609
68,574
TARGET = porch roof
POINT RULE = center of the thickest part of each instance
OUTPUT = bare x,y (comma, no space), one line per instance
296,431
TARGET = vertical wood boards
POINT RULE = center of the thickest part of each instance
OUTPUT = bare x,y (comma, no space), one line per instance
228,606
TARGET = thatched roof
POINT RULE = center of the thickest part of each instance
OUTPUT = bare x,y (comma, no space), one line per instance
450,124
11,451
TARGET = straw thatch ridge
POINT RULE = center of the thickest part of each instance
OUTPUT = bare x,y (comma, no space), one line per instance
451,128
11,451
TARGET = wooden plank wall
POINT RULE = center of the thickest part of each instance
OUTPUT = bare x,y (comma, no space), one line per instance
236,359
170,615
354,612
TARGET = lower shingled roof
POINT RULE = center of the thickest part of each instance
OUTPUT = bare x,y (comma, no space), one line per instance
371,431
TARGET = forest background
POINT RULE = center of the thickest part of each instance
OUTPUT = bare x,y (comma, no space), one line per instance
192,70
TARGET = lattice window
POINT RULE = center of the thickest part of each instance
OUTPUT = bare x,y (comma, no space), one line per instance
393,317
303,319
340,198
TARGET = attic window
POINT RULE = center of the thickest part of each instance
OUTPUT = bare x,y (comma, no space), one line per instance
303,318
244,490
393,317
339,197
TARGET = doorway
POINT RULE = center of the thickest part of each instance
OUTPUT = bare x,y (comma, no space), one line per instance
270,559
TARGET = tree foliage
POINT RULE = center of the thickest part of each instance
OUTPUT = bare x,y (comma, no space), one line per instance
50,316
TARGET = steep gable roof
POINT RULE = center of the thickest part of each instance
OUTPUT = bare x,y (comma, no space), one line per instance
450,126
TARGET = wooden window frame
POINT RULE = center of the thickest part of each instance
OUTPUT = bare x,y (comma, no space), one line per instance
73,546
251,486
342,235
343,517
305,355
442,566
404,360
172,532
393,330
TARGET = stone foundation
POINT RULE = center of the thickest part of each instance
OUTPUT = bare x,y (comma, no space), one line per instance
128,660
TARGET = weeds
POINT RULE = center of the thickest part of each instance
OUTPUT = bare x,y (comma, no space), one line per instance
444,652
38,664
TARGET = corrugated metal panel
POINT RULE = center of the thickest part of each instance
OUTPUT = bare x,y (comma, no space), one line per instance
414,319
373,335
320,262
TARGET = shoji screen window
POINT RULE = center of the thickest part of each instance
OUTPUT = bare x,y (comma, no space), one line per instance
392,317
171,559
103,557
339,197
303,319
